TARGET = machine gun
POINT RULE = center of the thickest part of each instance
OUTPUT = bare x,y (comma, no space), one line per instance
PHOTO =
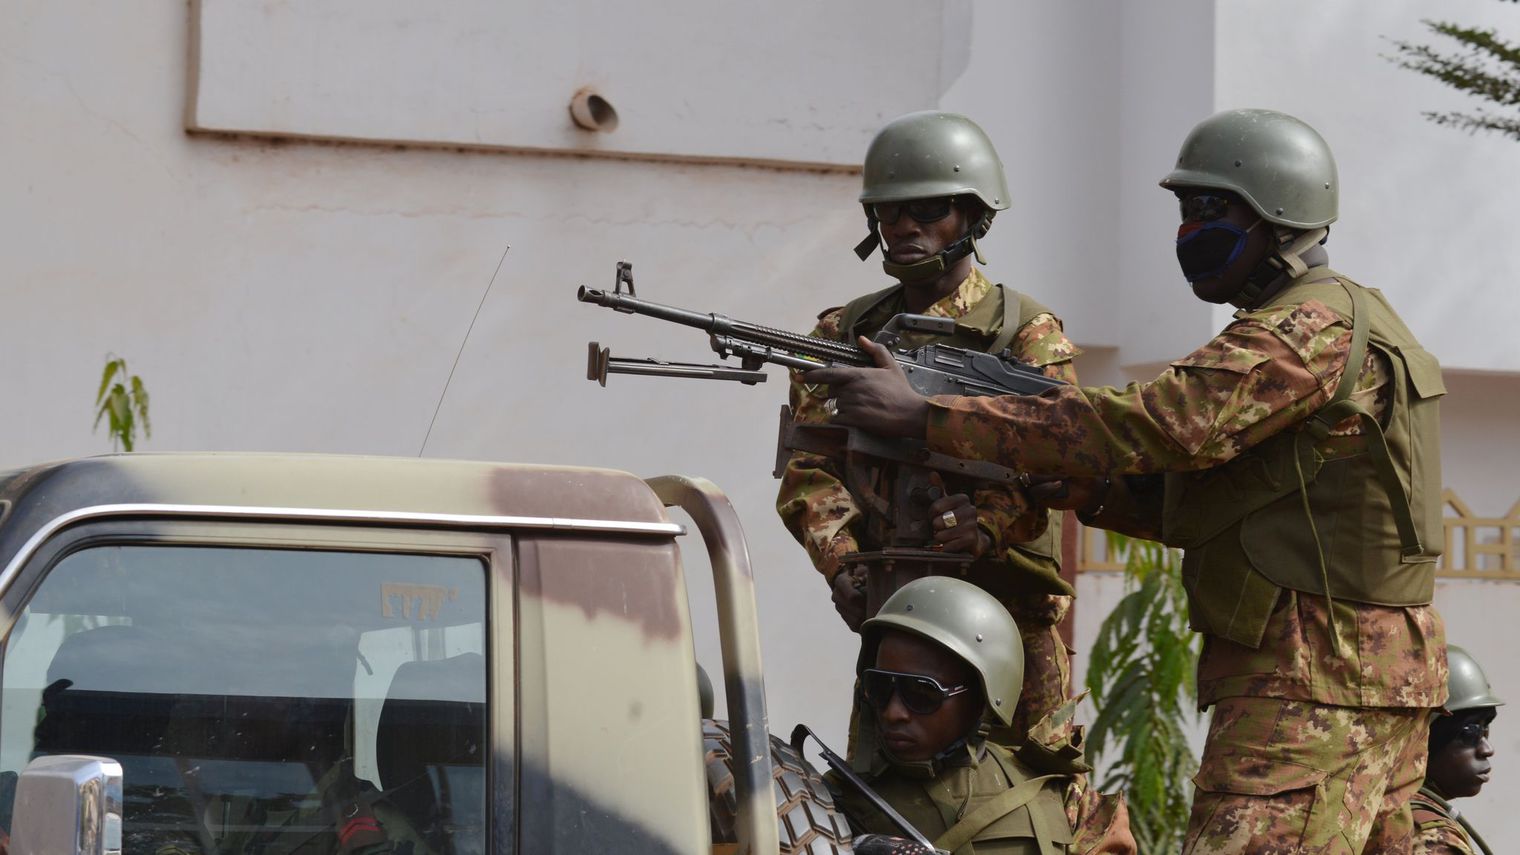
932,369
897,515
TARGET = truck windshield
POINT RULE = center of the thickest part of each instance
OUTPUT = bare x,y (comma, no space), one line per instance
261,700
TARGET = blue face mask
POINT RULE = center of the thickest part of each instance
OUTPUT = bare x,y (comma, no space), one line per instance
1206,249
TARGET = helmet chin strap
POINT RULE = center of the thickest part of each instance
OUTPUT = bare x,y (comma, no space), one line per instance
931,268
1286,261
964,751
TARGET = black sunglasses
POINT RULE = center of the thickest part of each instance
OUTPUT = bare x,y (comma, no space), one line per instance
1203,207
921,210
921,695
1472,733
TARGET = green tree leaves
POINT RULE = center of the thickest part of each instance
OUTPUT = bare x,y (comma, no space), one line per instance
1481,65
122,401
1142,675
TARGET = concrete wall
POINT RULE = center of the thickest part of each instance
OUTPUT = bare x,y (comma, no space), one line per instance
311,296
1425,210
685,78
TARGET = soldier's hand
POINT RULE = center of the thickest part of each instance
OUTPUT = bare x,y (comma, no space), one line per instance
963,534
850,595
878,399
1067,494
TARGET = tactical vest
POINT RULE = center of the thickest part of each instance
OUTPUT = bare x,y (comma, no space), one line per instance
990,327
1354,517
1011,810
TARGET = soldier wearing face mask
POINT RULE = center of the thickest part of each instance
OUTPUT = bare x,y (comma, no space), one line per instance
1295,459
1460,761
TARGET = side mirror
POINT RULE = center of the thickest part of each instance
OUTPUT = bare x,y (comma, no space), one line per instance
68,804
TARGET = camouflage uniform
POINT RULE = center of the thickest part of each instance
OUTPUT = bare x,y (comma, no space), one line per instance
818,510
1310,748
1436,830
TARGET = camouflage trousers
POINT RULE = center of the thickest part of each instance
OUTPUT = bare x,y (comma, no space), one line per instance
1280,777
1047,678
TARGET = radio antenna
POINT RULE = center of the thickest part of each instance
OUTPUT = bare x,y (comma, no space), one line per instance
466,341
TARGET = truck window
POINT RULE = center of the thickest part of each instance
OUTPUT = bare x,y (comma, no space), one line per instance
261,700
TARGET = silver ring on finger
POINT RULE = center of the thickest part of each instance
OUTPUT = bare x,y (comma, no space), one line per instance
831,406
949,519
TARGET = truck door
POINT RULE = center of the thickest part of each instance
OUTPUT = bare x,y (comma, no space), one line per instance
271,688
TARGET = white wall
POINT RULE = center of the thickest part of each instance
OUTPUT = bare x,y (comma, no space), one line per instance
1166,85
686,78
1427,213
1041,83
310,296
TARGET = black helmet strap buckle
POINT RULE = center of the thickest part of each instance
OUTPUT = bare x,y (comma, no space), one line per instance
1287,260
864,249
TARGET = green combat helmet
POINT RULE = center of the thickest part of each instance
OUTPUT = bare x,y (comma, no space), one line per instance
1282,168
970,623
928,155
1467,686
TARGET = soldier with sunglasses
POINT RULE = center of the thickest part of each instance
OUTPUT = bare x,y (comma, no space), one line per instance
940,667
1295,457
1459,762
931,186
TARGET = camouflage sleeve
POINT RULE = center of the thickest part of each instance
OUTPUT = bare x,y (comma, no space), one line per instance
1262,374
1099,821
1442,837
812,502
1004,511
1043,343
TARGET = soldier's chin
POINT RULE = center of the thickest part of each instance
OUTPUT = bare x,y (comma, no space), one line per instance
1211,289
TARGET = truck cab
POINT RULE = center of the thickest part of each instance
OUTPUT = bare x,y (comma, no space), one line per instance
327,654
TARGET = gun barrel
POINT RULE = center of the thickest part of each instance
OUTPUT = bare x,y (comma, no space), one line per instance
629,304
820,349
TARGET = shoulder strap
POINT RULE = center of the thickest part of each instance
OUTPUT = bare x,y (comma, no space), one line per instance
1424,812
1472,834
994,809
856,309
1018,311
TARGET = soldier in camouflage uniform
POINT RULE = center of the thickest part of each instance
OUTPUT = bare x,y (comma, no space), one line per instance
1295,457
941,666
1459,761
932,183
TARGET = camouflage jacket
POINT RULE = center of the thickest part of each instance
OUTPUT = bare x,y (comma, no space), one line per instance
1437,830
1265,373
813,502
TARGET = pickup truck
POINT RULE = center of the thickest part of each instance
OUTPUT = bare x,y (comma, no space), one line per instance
249,653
